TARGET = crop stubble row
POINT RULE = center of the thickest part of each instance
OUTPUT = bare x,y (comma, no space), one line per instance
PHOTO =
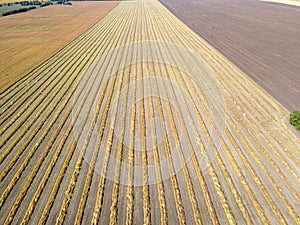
229,125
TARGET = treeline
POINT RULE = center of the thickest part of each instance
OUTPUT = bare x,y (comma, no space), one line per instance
64,2
24,6
41,4
15,11
27,3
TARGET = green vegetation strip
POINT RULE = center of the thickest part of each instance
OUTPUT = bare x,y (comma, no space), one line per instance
25,6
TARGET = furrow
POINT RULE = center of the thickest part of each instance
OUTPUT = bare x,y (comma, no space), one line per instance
48,171
77,170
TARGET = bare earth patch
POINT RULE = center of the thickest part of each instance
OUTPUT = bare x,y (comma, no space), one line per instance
261,38
27,39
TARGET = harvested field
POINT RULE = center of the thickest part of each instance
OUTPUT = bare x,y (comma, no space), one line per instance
141,121
27,39
261,38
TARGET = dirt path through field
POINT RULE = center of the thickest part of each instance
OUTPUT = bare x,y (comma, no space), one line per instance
140,121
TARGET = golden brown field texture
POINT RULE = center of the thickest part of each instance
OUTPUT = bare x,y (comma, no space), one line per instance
28,39
140,121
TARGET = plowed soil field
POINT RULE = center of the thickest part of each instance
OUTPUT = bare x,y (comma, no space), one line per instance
261,38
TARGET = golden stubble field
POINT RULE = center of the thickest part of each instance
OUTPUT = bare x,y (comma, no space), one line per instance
141,121
27,39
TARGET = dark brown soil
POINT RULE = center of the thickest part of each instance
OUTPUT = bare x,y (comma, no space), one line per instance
261,38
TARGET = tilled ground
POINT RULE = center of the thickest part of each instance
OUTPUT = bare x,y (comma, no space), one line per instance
140,121
261,38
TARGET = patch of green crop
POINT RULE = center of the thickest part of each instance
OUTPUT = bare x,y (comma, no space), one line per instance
295,119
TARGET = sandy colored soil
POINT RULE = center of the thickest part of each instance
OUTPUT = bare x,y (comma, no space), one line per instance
261,38
141,121
27,39
287,2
